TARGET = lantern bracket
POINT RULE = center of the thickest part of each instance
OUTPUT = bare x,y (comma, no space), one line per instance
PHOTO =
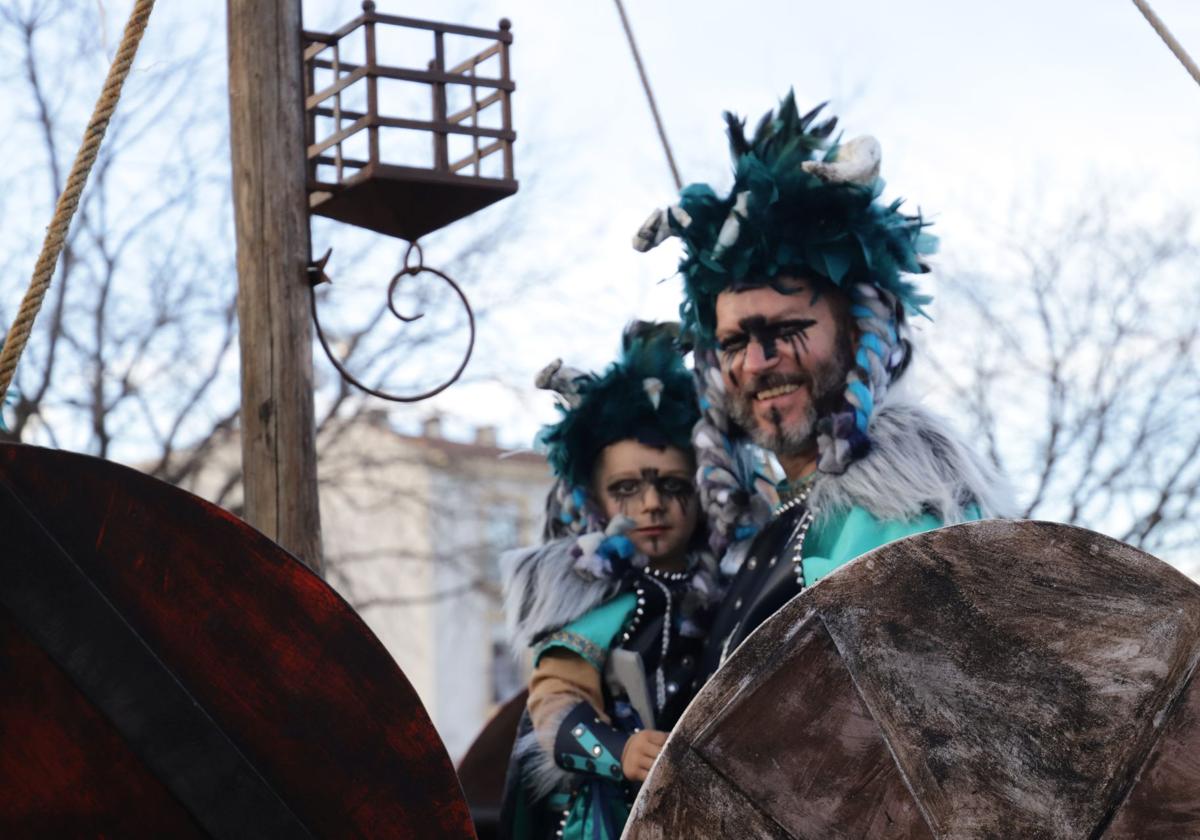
317,276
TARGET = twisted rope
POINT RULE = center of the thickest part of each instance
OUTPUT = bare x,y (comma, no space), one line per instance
658,123
68,202
1168,38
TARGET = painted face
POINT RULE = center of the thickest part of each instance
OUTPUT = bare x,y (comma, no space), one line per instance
656,489
784,360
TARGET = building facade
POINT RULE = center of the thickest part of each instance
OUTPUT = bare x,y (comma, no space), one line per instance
412,527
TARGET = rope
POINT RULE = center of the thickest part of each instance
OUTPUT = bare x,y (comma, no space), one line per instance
1168,38
662,132
64,211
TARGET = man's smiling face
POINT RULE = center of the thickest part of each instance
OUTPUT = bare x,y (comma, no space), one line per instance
784,359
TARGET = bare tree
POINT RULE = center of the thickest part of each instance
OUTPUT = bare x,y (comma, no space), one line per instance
1077,361
133,357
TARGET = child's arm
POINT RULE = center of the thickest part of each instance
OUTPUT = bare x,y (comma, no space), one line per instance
566,707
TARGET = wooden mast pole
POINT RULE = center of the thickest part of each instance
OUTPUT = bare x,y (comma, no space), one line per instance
279,460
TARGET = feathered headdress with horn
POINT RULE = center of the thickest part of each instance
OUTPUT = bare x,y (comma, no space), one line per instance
801,204
646,395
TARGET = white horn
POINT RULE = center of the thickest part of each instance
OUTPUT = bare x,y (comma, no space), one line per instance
857,162
657,229
560,379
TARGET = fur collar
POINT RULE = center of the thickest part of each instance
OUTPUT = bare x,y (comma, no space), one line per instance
546,587
542,590
917,464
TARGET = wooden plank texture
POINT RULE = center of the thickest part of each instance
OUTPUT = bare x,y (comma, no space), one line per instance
267,138
993,679
269,652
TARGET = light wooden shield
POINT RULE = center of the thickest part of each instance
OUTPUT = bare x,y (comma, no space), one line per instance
994,679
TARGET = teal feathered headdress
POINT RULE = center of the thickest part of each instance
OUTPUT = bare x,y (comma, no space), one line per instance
800,204
646,395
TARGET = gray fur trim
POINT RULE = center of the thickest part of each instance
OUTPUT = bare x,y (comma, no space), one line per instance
542,590
917,465
540,774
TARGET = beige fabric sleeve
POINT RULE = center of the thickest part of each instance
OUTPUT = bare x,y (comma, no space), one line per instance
560,680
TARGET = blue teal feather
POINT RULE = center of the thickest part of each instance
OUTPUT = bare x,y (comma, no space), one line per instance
615,406
794,222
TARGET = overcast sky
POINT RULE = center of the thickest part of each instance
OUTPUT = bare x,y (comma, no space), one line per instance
978,106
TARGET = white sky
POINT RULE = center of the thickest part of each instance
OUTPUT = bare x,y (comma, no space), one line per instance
978,106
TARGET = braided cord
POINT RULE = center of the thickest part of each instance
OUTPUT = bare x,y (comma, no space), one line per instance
68,202
881,352
735,495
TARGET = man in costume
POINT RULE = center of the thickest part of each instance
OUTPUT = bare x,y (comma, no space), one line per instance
614,603
798,291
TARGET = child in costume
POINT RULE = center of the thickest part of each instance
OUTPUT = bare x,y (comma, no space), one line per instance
614,603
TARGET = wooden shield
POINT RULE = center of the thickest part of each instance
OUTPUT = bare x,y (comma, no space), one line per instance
484,767
993,679
168,671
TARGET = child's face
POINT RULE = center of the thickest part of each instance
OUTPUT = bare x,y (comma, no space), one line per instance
656,489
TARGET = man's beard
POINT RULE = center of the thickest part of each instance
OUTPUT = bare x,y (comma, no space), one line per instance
825,386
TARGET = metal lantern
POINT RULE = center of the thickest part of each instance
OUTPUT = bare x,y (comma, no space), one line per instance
406,150
406,174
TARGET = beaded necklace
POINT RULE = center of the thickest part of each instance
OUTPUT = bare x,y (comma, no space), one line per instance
664,581
789,500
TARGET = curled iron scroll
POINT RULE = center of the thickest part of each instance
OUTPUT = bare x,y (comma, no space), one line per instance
410,269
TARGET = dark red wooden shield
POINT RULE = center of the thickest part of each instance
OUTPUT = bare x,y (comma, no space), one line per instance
168,671
995,679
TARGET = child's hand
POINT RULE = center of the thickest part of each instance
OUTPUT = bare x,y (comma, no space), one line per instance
640,751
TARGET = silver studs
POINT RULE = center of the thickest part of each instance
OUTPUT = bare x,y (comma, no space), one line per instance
752,563
672,687
596,750
577,731
737,604
798,552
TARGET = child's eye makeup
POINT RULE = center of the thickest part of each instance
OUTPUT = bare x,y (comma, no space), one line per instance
625,487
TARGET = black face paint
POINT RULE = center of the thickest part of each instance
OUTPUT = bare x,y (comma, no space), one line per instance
777,420
670,488
767,334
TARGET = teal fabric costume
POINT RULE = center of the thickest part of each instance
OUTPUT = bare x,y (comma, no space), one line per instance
841,538
917,476
578,789
591,635
587,592
805,216
584,813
